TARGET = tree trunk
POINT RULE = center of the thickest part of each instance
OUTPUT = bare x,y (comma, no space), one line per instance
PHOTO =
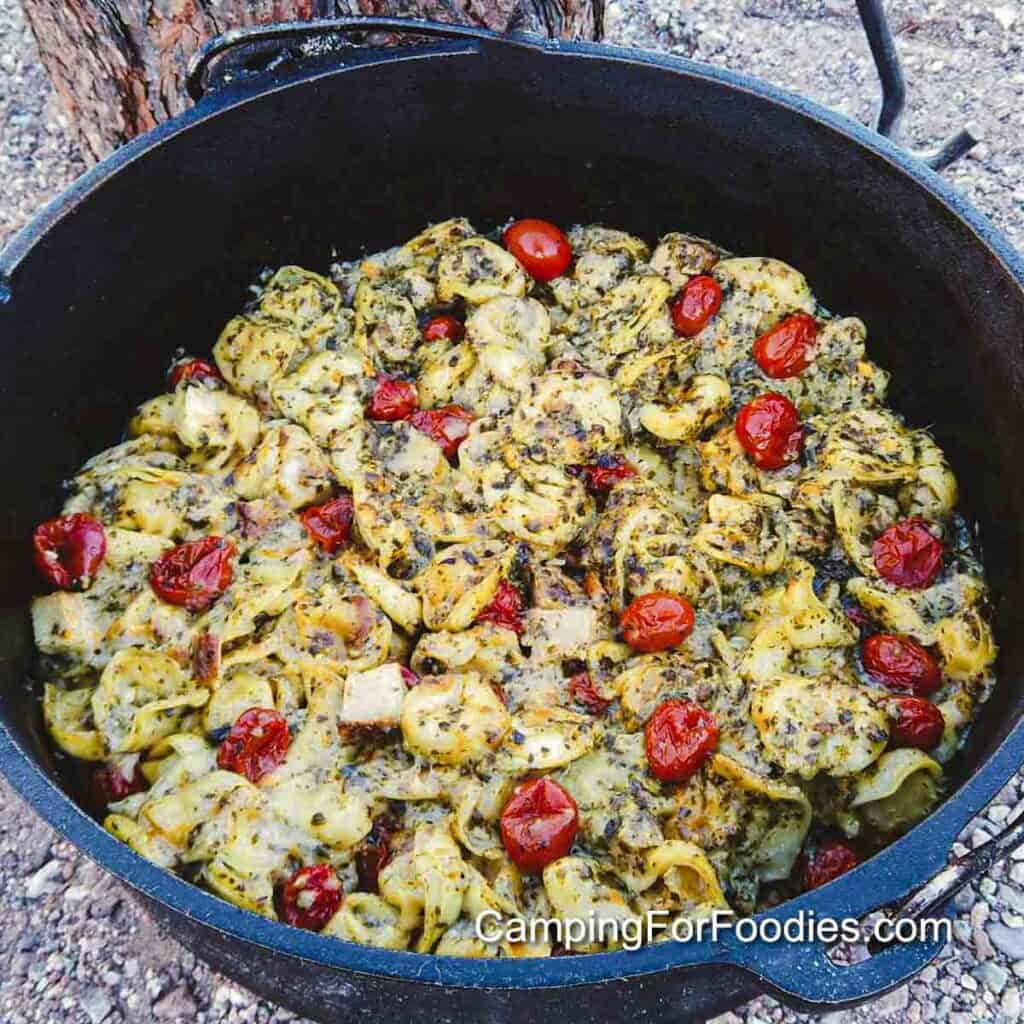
119,65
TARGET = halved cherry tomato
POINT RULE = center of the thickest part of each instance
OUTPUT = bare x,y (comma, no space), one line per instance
373,854
69,550
657,621
695,305
828,862
108,784
900,664
444,328
206,657
917,723
908,554
330,524
680,736
583,691
448,426
788,348
195,574
193,369
601,476
256,744
540,247
310,898
768,428
505,609
393,400
538,824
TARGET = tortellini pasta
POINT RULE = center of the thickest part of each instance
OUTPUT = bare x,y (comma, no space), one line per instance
420,624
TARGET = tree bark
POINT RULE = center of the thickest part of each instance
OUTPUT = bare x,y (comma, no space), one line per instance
119,65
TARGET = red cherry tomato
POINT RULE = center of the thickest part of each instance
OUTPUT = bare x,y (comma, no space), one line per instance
769,430
680,736
917,723
506,608
310,898
69,550
331,524
256,744
373,854
601,476
900,664
788,348
206,657
657,621
194,369
538,824
448,426
540,247
829,861
695,305
444,328
108,784
195,574
908,554
583,691
393,400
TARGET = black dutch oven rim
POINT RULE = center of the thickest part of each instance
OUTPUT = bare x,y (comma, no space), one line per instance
798,970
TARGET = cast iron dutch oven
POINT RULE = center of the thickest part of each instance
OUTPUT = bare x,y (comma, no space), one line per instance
358,149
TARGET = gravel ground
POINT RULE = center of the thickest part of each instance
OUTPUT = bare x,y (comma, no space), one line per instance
78,950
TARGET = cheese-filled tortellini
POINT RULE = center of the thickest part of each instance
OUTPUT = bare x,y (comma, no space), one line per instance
472,495
453,719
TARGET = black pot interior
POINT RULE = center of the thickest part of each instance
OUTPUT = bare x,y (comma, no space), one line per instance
161,254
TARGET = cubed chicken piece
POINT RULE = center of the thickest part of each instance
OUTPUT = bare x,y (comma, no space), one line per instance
555,635
373,698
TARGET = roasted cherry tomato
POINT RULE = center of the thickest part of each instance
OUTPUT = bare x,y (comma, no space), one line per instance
506,608
788,348
393,400
448,426
583,691
680,736
695,305
917,723
69,550
769,430
540,247
108,784
256,744
538,824
373,854
657,621
828,862
195,574
444,328
908,554
330,524
206,657
601,476
900,664
310,898
193,369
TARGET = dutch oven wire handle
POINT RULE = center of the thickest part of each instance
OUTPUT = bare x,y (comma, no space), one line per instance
252,50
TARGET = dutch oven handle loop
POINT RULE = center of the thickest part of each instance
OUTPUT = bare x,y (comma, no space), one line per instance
802,975
262,48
